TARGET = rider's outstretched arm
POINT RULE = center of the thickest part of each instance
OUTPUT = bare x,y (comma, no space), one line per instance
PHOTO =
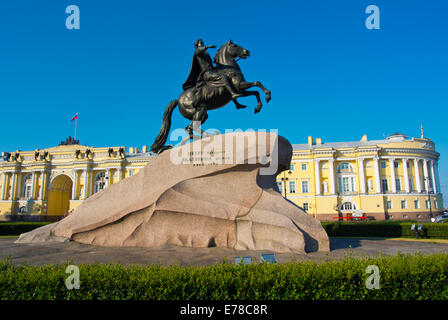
204,48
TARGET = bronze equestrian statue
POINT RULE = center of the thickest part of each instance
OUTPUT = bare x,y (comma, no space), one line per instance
209,87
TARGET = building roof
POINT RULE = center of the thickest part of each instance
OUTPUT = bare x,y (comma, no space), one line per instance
337,145
393,138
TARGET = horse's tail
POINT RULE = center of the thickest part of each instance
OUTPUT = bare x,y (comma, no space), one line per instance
159,142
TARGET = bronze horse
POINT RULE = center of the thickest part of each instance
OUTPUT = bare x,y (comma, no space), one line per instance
196,101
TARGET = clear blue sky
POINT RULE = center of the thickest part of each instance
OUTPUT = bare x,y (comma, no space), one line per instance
330,77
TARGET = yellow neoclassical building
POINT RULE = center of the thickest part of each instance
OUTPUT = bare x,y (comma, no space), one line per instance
47,184
394,178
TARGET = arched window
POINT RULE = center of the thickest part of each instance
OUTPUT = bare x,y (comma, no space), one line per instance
27,187
345,167
100,181
348,206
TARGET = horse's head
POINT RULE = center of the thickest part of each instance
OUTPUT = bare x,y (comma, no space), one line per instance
229,52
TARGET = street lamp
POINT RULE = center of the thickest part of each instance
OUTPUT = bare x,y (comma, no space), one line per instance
284,180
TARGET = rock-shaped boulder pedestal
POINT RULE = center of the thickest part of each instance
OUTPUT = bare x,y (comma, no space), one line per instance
218,191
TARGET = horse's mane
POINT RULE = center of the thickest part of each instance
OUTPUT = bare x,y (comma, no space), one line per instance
219,56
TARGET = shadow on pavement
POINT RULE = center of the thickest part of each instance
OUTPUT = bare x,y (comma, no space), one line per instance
344,243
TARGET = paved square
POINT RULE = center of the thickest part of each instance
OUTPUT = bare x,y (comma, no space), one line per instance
59,253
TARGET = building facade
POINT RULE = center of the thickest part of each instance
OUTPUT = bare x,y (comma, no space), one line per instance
45,185
395,178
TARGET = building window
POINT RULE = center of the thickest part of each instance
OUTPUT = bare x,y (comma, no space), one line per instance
344,167
291,167
346,178
385,185
396,164
27,187
348,206
305,187
131,173
435,203
403,204
383,165
280,185
398,184
388,204
292,187
346,184
427,204
411,185
306,206
100,181
417,204
408,164
405,216
303,166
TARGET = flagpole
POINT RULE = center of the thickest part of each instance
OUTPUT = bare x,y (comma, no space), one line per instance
76,126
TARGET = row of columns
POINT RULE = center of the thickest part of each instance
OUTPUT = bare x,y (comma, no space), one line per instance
427,176
15,183
84,194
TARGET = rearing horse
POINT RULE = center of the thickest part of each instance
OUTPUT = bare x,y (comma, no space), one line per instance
196,101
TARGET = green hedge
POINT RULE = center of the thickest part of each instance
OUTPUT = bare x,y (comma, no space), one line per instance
401,277
17,228
384,229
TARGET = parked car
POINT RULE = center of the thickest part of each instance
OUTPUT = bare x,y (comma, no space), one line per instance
441,218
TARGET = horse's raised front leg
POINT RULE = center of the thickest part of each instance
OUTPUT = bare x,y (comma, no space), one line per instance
257,95
246,85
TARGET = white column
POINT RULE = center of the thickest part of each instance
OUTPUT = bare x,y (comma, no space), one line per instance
33,183
418,181
119,172
4,185
377,176
75,183
426,175
316,163
19,186
42,185
107,177
91,181
433,174
84,189
436,169
392,175
332,177
406,175
13,185
362,175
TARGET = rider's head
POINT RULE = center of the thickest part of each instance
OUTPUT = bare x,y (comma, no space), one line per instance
199,43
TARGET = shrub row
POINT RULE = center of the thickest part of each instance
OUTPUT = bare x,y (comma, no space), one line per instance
401,277
17,228
384,229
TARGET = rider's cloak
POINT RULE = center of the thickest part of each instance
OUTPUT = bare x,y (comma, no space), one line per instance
195,71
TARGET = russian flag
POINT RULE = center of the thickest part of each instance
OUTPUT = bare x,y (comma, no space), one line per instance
75,117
